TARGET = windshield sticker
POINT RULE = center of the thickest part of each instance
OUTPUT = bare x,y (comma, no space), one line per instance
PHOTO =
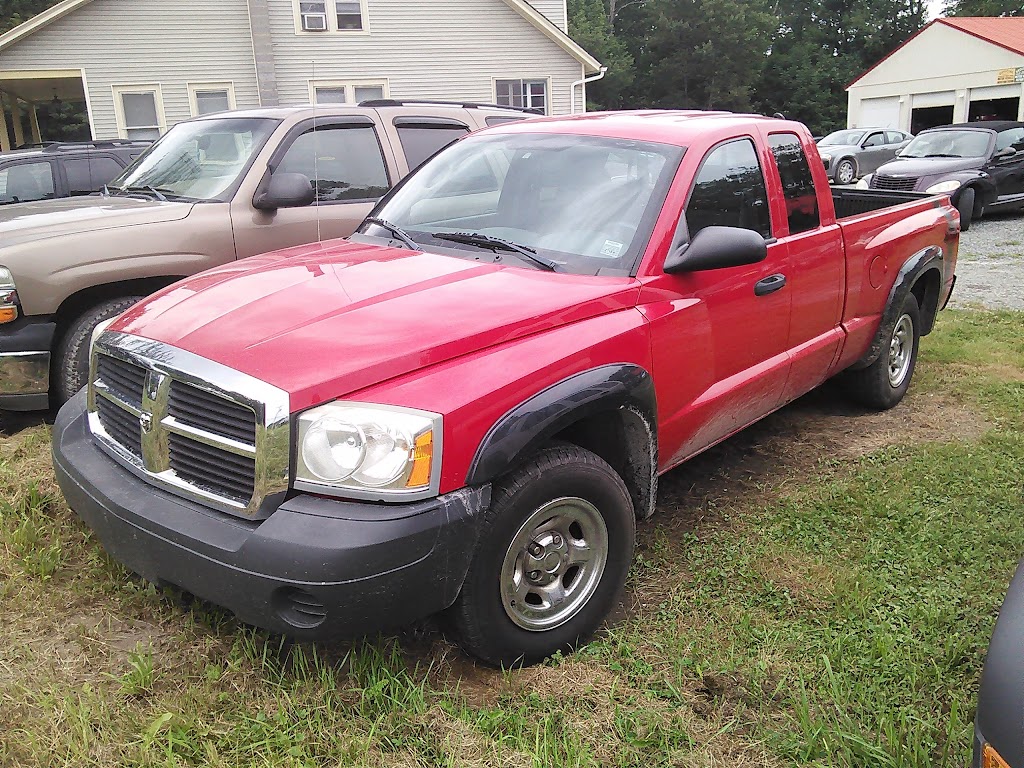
611,249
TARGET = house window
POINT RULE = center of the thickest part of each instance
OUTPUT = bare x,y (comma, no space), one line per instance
530,94
349,15
207,98
139,112
322,92
313,16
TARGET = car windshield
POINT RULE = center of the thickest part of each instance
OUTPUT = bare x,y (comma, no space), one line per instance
577,204
197,161
949,144
842,138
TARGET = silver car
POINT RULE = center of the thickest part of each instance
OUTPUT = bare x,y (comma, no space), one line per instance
856,152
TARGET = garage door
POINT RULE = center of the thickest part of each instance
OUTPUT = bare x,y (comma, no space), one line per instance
880,113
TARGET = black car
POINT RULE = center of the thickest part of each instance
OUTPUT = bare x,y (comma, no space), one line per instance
979,165
63,169
999,725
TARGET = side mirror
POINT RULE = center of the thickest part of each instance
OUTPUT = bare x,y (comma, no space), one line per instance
285,190
717,248
1004,153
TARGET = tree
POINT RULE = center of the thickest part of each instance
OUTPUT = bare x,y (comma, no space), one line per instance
984,8
589,26
15,12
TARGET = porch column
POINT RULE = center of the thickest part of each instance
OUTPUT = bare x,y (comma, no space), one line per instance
19,131
5,139
37,137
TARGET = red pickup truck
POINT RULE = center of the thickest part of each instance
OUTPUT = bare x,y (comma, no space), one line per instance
465,406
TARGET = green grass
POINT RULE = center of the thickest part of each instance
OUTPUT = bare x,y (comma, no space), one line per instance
792,604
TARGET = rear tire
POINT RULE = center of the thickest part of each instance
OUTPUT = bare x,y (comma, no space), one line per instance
846,171
883,384
555,546
965,205
71,368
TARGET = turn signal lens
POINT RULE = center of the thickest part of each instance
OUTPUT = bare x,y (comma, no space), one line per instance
422,460
8,314
991,759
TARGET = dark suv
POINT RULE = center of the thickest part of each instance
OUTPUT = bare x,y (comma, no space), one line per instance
979,165
63,169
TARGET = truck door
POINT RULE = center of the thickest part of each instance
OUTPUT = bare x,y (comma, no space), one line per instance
1008,171
873,153
720,337
816,269
344,160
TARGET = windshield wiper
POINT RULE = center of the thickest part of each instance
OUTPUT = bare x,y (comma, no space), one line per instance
939,154
497,244
145,188
397,231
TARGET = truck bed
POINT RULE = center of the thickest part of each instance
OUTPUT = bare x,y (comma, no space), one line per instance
854,202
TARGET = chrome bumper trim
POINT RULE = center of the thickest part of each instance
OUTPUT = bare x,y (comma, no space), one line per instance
24,373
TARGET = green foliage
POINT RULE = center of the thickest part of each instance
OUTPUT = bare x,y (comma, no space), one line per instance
589,25
984,8
15,12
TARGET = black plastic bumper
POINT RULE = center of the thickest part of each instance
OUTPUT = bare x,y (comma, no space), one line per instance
316,568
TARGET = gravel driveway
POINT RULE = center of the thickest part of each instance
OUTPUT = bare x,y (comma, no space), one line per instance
990,268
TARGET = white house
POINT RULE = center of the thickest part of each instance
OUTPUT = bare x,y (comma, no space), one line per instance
143,65
952,71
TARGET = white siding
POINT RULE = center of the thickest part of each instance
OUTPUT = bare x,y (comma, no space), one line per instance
450,50
554,10
123,42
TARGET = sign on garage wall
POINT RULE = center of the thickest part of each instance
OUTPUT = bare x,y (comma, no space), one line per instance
1010,75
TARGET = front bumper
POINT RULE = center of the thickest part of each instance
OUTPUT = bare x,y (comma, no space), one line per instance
316,568
25,365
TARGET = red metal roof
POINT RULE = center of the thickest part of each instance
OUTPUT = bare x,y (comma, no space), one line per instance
1005,31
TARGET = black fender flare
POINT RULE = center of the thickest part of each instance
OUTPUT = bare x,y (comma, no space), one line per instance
913,269
559,406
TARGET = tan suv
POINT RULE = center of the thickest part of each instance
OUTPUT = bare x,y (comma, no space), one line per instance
212,190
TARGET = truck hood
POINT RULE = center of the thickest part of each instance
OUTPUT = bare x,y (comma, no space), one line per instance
930,166
55,218
326,320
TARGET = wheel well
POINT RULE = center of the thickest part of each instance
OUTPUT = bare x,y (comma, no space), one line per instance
626,439
926,291
77,303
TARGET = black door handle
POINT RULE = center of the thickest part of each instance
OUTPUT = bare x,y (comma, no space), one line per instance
770,284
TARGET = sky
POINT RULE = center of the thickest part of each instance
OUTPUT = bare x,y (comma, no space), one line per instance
935,8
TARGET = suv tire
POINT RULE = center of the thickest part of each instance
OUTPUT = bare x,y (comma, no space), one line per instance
71,368
555,546
883,384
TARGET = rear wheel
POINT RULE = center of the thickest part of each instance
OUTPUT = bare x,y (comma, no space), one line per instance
965,205
71,368
846,171
554,549
884,383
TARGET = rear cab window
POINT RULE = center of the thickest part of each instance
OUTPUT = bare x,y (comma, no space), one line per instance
423,137
797,183
729,191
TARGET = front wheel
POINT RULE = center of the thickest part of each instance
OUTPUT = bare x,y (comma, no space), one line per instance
965,205
555,547
884,383
846,172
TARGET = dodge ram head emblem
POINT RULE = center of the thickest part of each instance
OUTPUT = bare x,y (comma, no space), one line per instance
146,422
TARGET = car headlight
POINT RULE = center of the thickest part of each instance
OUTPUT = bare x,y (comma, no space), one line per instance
943,186
864,183
366,451
8,297
826,159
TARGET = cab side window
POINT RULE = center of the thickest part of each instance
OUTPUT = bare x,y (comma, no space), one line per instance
422,138
730,191
343,163
797,184
1014,137
875,140
26,182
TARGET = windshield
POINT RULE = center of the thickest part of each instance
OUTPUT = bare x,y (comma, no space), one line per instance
583,204
197,161
842,138
949,144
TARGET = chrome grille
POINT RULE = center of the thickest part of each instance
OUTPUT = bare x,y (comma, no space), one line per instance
893,184
189,425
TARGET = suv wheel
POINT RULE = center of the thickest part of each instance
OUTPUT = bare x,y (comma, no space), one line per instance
71,368
555,547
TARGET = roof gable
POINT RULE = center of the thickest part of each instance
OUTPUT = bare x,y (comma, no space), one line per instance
523,8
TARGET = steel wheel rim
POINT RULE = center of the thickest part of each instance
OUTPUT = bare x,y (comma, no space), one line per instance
554,564
845,172
901,348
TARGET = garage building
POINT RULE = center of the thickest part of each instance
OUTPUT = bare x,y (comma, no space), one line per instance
954,70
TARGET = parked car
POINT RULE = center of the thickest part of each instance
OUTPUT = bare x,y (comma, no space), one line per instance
466,405
999,723
856,152
210,191
63,169
979,165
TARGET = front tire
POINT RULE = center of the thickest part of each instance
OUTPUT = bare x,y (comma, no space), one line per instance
554,550
965,205
71,368
883,384
846,171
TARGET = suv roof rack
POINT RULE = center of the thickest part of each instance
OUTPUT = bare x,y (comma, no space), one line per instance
437,102
64,146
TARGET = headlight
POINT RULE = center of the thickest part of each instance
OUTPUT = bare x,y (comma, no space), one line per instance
943,186
369,451
864,183
826,159
8,297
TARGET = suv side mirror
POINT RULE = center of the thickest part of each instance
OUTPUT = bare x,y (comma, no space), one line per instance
717,248
285,190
